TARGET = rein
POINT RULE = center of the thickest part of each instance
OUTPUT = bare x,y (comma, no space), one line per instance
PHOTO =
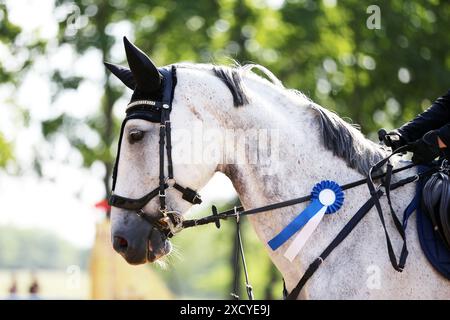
171,222
233,213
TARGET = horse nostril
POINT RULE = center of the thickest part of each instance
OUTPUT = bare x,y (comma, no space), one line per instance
120,244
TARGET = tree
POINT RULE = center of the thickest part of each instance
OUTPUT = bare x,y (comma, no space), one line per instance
377,77
19,55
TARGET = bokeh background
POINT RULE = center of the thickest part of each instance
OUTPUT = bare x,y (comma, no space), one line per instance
60,113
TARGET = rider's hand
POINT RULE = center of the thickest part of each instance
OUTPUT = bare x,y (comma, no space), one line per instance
441,143
425,149
444,149
391,139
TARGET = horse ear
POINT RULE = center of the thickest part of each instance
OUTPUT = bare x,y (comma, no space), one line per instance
147,76
124,74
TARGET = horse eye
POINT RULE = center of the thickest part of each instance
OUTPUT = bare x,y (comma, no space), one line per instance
135,135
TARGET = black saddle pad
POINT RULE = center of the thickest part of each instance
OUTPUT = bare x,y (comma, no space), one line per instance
432,244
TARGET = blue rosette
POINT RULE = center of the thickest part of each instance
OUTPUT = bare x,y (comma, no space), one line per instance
326,194
322,192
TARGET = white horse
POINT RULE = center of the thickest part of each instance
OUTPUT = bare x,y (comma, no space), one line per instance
306,143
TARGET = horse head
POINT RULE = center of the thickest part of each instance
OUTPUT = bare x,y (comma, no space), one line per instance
138,163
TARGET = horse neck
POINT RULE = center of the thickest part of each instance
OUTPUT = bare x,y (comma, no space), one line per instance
297,157
294,166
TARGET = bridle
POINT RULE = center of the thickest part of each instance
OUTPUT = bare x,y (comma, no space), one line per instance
169,222
156,111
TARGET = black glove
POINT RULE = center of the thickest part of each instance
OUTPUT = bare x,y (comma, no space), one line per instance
425,149
391,139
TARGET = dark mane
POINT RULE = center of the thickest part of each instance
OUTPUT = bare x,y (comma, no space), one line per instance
347,142
233,80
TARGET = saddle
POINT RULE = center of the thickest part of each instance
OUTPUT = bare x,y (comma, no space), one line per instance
433,219
436,203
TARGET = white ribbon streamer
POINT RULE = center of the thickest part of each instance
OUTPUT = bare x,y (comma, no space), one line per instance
303,236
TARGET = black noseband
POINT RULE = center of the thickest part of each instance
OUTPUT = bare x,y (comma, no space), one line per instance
157,112
132,204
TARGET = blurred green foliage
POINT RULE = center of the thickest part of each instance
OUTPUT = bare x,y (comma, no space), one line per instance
37,249
5,152
8,32
22,53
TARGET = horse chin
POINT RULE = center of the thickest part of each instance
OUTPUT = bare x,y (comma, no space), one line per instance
155,254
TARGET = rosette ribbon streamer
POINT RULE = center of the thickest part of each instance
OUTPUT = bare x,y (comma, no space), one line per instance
326,197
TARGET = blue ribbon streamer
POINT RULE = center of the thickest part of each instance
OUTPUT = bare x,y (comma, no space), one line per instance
310,211
296,224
